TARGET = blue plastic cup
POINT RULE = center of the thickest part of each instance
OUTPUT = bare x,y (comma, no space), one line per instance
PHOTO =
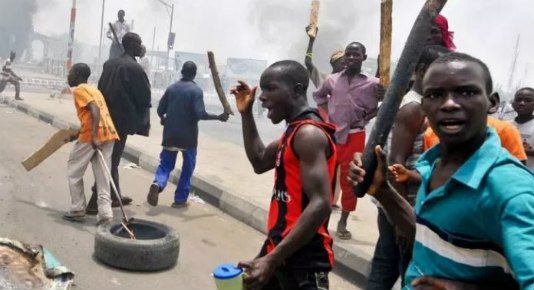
228,277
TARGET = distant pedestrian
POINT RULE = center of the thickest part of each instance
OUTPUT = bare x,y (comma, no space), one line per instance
97,133
524,106
351,100
180,109
297,253
126,89
8,76
121,28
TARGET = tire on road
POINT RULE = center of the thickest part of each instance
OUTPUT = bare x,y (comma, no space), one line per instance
160,252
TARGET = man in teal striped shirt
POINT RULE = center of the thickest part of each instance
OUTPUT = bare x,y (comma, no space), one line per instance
473,224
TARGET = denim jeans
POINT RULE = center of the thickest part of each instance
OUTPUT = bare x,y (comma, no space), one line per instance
390,259
166,166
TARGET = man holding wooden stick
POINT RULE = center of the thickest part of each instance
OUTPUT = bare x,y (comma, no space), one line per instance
180,134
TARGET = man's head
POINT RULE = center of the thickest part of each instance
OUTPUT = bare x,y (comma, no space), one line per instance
78,74
284,85
430,54
523,102
189,71
132,44
121,15
337,61
440,34
12,55
355,55
456,98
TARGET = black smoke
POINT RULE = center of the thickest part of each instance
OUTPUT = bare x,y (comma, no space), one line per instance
16,25
339,20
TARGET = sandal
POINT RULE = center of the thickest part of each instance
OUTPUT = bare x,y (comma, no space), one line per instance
344,235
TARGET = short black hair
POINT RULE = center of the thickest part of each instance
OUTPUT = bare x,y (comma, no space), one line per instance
292,73
528,89
431,53
458,56
189,70
81,70
356,43
129,40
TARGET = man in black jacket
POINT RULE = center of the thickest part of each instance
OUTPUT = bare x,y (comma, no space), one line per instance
126,88
180,109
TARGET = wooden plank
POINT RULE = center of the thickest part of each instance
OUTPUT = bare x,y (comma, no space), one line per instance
55,142
386,28
314,18
396,90
217,84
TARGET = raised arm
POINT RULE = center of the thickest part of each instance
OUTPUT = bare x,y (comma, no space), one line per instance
315,75
262,158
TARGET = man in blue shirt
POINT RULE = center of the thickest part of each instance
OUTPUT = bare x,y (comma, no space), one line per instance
473,224
180,109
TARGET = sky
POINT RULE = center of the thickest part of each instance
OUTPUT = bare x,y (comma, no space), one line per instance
274,29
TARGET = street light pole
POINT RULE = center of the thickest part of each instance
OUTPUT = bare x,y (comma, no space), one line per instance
171,6
101,31
170,31
71,34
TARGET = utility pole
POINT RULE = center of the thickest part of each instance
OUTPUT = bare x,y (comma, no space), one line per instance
170,38
71,34
514,64
101,30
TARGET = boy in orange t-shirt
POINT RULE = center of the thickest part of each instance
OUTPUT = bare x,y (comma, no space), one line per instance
97,132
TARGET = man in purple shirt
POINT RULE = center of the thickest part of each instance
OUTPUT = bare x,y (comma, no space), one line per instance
351,100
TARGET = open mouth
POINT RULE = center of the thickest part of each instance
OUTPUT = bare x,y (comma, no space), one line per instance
451,126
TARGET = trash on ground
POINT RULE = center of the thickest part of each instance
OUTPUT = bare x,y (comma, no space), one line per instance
131,166
196,199
25,267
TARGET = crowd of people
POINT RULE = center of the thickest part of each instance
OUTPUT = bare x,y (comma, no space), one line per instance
453,185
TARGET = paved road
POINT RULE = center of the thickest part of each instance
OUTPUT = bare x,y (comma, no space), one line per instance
31,205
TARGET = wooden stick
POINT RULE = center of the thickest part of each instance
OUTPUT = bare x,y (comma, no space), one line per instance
314,18
385,41
399,83
55,142
218,85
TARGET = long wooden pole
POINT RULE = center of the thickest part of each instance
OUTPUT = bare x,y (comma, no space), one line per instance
399,83
386,27
314,18
217,84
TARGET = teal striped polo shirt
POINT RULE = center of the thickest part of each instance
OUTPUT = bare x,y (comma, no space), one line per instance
479,226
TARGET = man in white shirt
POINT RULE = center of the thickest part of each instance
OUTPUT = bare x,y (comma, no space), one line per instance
523,104
121,28
7,75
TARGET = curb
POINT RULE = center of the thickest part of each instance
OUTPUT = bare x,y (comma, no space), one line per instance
354,266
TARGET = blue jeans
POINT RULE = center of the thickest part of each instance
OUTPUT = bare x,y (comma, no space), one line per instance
166,166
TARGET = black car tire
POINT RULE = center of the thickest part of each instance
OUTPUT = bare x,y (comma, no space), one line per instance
155,254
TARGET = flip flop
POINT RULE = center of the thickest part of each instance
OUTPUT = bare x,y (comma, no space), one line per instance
344,235
153,194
